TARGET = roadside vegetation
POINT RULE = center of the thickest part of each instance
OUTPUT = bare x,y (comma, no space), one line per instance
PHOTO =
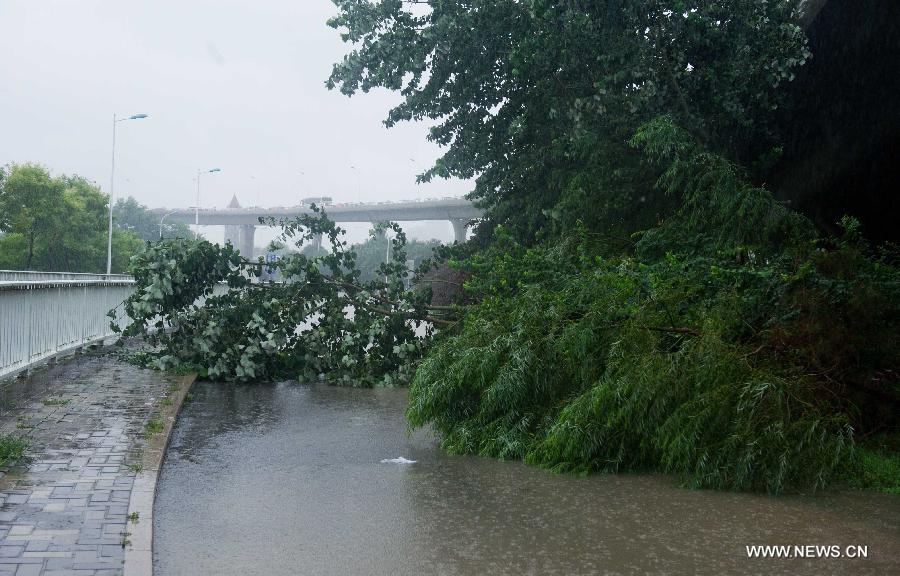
11,448
374,251
641,295
154,426
60,223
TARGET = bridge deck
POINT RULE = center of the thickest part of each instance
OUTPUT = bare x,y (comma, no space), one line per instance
446,209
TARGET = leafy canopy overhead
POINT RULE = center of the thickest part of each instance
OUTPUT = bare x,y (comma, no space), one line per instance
536,98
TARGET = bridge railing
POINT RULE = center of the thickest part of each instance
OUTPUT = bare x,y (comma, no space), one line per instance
43,314
29,276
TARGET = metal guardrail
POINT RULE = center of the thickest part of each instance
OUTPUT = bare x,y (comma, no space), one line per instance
29,276
43,314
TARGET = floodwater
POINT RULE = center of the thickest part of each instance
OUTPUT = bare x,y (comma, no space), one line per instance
288,479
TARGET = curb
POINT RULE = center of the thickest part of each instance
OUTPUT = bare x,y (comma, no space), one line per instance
139,551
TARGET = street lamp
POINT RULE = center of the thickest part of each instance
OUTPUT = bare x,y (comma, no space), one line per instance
161,222
112,183
197,205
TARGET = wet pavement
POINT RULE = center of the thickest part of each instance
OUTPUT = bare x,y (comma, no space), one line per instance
63,508
284,479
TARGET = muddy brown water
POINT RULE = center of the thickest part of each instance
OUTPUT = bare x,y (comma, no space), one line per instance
286,479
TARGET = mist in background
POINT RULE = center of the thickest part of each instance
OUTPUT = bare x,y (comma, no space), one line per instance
227,84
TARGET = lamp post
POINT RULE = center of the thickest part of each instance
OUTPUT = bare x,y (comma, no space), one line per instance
161,222
112,184
197,205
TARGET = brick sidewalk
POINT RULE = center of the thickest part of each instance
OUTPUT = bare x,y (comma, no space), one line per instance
63,510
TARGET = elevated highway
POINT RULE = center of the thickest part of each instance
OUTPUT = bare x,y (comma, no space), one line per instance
240,222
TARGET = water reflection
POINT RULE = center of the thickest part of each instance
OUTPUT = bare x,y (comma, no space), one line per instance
287,479
216,410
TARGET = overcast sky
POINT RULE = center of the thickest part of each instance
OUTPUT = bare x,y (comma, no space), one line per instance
230,84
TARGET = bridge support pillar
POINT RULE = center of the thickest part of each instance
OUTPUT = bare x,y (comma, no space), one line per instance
459,230
233,235
245,241
317,241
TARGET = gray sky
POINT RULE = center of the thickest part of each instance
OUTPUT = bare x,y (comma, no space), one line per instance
231,84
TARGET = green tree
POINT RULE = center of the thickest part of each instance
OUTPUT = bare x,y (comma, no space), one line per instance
374,251
323,320
57,223
129,214
536,99
637,298
30,204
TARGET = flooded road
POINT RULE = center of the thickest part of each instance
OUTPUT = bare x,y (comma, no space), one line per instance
285,479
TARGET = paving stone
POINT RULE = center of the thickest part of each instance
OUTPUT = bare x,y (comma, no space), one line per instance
47,554
64,508
58,564
7,552
97,565
29,570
